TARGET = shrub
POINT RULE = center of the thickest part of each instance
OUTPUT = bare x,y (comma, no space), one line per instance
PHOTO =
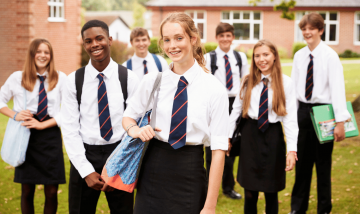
249,53
84,57
210,46
154,48
349,54
282,53
297,46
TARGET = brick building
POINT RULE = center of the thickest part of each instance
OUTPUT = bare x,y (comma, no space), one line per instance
342,19
23,20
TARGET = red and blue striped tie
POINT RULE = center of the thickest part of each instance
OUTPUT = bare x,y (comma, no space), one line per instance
43,103
104,112
177,135
229,82
263,121
309,79
145,67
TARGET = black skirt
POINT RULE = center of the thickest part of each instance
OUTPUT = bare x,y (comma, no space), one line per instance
262,158
44,161
171,181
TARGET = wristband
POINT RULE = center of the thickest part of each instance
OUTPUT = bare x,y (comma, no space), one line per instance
127,131
293,152
15,115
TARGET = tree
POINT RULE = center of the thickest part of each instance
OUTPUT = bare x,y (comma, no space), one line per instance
138,15
96,5
284,6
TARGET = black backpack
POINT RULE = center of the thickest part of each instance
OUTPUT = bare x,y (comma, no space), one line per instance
79,82
213,61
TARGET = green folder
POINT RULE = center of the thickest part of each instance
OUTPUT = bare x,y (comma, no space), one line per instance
324,122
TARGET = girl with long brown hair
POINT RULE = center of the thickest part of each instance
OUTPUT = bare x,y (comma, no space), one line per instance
44,162
266,99
192,111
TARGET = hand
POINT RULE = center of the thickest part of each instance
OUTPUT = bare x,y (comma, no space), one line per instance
290,161
94,181
107,188
145,133
229,148
23,115
32,123
339,132
207,211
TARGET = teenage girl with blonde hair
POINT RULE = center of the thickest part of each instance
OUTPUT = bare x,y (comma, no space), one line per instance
192,110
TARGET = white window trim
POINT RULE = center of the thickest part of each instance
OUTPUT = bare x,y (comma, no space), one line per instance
53,18
356,33
251,21
327,26
196,21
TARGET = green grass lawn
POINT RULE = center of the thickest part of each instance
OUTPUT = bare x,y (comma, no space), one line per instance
345,174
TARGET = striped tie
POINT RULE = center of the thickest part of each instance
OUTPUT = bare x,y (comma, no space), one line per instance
145,67
309,79
43,103
104,112
177,135
229,82
263,121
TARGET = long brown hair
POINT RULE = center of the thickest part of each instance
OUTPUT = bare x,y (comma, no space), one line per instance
29,75
251,80
189,27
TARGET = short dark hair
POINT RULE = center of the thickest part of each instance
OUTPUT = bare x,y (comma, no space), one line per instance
224,27
138,31
313,19
95,23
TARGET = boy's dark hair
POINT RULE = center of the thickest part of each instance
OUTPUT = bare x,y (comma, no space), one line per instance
224,27
138,31
95,23
313,19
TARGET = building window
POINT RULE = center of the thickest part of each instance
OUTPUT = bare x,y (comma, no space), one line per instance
199,18
247,25
56,11
331,28
357,28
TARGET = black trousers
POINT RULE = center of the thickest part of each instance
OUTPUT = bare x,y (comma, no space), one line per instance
83,199
228,181
311,152
251,199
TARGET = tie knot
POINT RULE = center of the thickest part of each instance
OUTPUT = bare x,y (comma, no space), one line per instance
100,76
144,62
311,56
265,81
42,78
226,57
182,82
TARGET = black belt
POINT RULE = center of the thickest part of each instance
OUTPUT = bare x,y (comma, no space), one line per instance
101,147
309,105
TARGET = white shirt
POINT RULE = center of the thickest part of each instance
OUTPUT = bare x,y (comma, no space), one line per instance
289,121
87,131
208,106
138,65
220,73
328,78
13,88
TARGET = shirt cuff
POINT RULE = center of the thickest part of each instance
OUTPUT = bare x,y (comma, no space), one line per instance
58,119
2,105
86,170
291,147
342,117
219,143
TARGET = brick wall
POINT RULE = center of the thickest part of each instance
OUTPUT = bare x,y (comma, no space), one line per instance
23,20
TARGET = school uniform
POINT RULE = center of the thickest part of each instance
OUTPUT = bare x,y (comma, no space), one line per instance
44,161
323,85
228,181
142,66
174,180
262,159
86,145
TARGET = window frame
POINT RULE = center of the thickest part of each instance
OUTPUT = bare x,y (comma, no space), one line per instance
356,29
327,23
197,21
56,17
250,21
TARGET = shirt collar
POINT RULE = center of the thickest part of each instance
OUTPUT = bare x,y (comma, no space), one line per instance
108,71
45,74
266,76
221,53
316,51
189,74
136,58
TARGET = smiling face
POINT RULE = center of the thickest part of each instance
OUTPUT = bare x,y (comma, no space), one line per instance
312,35
141,45
42,58
177,44
97,44
264,59
225,40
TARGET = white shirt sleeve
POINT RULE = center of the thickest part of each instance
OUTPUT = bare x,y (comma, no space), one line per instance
133,83
235,113
61,83
245,65
294,78
6,91
70,129
208,62
163,62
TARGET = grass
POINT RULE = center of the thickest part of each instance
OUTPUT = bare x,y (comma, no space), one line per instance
345,174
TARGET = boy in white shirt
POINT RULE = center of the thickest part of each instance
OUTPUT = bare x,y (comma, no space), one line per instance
143,61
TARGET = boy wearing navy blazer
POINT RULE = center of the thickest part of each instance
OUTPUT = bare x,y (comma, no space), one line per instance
92,122
318,77
230,66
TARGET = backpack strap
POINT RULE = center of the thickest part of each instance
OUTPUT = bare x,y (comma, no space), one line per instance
123,77
129,64
157,61
79,81
213,62
238,60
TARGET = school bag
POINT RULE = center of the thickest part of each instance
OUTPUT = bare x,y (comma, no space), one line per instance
157,62
213,59
79,81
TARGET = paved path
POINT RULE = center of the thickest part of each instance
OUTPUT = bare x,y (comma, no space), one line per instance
356,61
